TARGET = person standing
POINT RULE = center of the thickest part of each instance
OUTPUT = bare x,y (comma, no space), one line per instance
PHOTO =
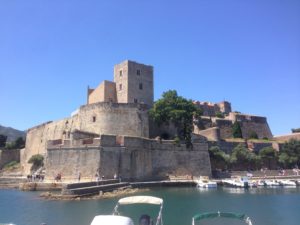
79,176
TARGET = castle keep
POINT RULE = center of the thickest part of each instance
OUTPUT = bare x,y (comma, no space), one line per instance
112,133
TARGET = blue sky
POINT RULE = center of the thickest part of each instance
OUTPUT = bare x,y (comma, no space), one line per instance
243,51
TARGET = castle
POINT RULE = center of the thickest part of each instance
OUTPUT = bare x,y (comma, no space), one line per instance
112,133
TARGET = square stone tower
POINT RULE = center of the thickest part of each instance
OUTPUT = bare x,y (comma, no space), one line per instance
134,82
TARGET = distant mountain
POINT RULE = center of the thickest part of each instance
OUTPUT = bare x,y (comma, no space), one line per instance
11,133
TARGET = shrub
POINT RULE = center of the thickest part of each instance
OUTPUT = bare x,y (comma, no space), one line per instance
219,115
236,130
11,165
177,141
218,158
242,158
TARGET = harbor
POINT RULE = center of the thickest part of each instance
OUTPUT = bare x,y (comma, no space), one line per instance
268,206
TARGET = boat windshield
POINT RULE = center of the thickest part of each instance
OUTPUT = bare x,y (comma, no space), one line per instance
212,215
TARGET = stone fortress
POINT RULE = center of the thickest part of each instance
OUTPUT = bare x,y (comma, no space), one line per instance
113,134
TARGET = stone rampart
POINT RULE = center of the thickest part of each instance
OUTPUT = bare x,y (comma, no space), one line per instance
287,137
136,159
7,156
98,118
212,134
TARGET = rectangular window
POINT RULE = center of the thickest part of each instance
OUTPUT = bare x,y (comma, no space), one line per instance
120,87
121,73
141,86
94,119
135,100
138,72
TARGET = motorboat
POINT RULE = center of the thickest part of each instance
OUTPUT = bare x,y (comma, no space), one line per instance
204,182
117,219
212,215
242,182
272,183
261,183
287,183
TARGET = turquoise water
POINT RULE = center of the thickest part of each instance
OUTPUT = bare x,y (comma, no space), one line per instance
277,206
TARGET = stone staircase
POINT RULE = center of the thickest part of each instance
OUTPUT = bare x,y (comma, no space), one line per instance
11,182
92,188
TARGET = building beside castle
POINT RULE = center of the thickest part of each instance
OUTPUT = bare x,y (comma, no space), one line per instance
112,133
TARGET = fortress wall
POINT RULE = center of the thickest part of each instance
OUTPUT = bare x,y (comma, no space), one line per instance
287,137
261,129
97,95
116,119
151,160
225,128
226,146
212,134
110,92
9,155
194,162
70,162
37,138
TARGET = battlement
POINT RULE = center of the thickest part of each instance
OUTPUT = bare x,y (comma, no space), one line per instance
138,143
211,109
246,117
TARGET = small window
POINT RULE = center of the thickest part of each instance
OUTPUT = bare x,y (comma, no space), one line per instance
121,73
94,119
135,100
138,72
120,87
141,86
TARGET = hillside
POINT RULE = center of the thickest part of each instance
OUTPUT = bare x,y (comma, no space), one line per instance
11,133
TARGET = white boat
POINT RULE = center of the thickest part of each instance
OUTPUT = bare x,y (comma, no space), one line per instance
204,182
212,215
288,183
261,183
272,183
117,219
237,182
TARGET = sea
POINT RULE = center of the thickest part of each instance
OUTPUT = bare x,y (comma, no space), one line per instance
265,206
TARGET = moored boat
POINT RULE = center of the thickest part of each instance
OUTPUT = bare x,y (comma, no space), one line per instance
287,183
117,219
272,183
212,215
204,182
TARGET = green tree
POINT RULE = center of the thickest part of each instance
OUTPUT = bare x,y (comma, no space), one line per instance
253,135
242,158
219,115
178,110
3,139
218,158
20,143
236,130
37,161
17,144
268,156
289,155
